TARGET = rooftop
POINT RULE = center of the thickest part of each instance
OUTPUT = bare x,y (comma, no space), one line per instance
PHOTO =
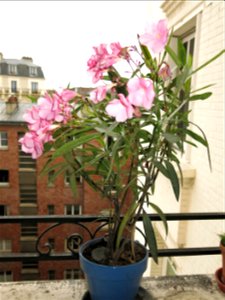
16,116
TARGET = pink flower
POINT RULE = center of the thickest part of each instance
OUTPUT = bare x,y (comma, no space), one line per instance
35,122
165,72
48,108
102,60
141,92
155,36
98,94
120,108
116,48
65,95
32,143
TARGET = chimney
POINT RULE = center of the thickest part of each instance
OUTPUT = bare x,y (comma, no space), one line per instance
11,105
27,58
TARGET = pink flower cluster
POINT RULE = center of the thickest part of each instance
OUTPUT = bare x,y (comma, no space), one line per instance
102,60
155,36
41,120
140,94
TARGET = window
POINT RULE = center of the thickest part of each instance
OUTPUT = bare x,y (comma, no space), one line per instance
33,71
6,276
13,86
51,274
12,69
29,265
51,209
72,209
72,274
67,179
34,87
3,210
51,178
3,140
5,245
29,230
4,177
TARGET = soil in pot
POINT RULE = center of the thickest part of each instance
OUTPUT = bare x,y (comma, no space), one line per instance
98,253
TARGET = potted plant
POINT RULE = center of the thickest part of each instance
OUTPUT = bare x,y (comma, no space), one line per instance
119,139
220,273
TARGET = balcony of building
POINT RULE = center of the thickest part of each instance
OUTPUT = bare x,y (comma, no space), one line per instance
34,253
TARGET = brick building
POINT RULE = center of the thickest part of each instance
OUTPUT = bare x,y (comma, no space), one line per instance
24,192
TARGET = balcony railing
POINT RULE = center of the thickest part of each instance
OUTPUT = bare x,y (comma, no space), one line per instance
83,221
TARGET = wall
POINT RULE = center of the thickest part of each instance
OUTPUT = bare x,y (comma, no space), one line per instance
204,191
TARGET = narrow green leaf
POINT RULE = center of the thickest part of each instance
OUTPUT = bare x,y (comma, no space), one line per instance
173,55
74,144
203,88
181,52
125,220
173,179
150,237
161,215
200,96
161,168
171,138
196,137
207,144
208,62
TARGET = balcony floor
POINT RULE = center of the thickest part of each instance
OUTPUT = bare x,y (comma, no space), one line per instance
192,287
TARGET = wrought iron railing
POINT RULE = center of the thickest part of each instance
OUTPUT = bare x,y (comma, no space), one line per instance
83,221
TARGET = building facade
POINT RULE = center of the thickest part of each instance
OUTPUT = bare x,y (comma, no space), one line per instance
23,191
20,78
200,25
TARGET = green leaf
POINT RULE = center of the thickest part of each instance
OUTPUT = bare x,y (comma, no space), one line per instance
125,220
171,138
181,52
173,179
147,57
161,168
196,137
161,215
150,236
200,96
74,144
206,144
208,62
173,55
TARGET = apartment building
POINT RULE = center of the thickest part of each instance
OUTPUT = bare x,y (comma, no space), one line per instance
23,191
21,78
200,25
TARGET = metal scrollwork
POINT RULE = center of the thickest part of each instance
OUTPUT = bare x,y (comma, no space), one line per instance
73,242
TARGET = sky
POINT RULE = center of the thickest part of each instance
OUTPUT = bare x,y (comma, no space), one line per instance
60,35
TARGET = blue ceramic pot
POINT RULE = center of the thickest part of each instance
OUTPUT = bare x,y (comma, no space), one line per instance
112,282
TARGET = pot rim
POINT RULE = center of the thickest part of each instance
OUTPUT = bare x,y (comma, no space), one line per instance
95,240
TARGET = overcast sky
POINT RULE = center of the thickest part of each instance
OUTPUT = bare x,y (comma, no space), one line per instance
59,35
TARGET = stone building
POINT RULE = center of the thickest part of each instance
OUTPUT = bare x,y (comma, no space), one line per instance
21,78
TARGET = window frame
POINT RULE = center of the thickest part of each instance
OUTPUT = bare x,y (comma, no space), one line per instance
5,183
13,86
5,245
12,69
72,207
34,87
2,139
